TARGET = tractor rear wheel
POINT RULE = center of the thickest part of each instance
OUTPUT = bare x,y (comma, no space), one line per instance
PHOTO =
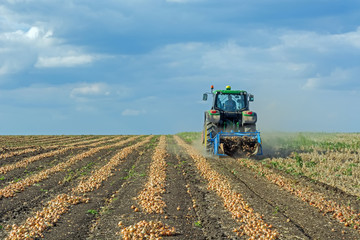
210,132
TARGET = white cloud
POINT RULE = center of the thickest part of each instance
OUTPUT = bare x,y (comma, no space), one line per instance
37,47
33,33
299,59
36,37
338,79
65,61
4,69
69,98
90,97
352,37
90,90
312,83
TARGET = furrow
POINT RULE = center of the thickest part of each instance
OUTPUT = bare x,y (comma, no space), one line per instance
10,190
252,223
343,214
37,148
95,180
48,216
34,145
23,163
151,201
19,152
35,226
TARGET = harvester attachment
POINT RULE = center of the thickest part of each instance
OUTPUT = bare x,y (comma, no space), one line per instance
237,143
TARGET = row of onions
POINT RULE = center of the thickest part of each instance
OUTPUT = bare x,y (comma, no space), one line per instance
252,223
343,214
150,198
10,190
23,151
9,143
48,216
102,174
151,201
37,148
153,230
26,161
36,225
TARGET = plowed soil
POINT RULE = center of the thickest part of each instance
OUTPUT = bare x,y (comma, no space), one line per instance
239,146
192,208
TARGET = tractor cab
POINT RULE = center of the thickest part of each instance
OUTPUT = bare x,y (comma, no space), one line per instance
230,102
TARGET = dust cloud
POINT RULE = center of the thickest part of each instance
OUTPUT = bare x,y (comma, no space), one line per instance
198,145
273,145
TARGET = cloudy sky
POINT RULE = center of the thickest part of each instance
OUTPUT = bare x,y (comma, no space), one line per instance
141,66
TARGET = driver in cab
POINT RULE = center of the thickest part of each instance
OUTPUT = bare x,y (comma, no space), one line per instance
230,104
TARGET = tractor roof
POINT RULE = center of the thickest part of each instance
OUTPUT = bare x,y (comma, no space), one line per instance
231,91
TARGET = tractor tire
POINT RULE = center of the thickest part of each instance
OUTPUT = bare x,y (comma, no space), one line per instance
203,134
211,131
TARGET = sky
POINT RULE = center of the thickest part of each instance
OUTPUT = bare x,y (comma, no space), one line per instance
141,66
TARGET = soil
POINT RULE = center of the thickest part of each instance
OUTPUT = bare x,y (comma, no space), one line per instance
193,210
294,218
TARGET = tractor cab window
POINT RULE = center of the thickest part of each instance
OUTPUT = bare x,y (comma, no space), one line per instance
230,102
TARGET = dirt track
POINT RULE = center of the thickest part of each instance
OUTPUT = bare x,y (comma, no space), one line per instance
194,207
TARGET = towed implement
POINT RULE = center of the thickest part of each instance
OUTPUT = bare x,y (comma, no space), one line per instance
229,126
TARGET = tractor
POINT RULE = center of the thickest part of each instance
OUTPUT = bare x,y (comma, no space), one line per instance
229,126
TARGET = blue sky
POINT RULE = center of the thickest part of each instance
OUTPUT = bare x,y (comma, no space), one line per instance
141,66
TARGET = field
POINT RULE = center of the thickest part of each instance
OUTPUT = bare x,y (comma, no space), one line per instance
305,186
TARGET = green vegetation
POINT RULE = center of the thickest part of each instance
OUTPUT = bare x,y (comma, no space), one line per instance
189,137
87,169
180,164
331,158
307,141
310,164
73,174
17,180
153,142
276,210
198,224
299,161
132,173
69,177
92,211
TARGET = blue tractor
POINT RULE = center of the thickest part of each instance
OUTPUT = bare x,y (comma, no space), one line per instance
229,126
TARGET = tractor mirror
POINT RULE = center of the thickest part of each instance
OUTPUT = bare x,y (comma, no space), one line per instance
205,97
251,98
